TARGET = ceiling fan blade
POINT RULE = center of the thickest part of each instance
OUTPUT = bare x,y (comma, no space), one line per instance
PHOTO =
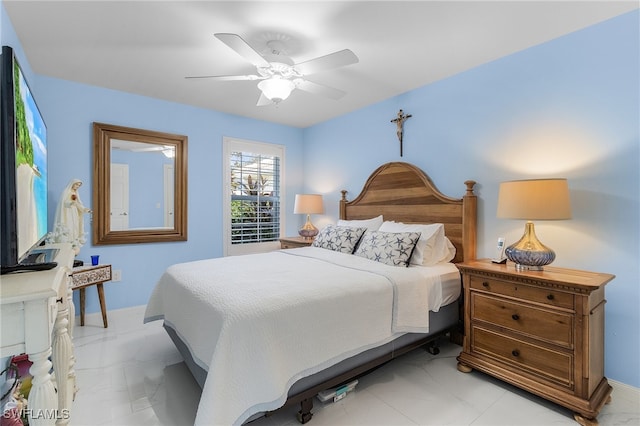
263,100
228,77
320,89
242,48
327,62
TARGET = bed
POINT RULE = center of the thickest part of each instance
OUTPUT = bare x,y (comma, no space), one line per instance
310,318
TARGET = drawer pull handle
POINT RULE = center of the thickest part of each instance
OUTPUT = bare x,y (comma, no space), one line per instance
515,352
485,284
550,297
596,307
515,317
59,300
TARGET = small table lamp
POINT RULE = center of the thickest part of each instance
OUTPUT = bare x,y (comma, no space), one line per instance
535,199
308,204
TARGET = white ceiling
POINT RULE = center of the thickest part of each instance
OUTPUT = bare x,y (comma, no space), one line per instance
148,47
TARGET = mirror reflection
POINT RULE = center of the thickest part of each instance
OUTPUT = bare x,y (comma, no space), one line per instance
140,186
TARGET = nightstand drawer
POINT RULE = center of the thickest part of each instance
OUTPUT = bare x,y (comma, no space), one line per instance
555,366
83,276
525,292
553,327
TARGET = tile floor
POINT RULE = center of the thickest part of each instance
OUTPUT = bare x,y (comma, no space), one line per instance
131,374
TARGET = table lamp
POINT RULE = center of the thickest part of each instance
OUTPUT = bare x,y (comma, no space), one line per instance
534,199
308,204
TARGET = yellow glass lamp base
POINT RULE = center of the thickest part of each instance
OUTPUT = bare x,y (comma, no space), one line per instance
308,231
529,253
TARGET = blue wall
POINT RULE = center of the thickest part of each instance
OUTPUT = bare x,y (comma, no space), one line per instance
566,108
71,108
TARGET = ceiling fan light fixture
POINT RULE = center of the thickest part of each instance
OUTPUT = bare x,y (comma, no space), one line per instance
276,89
169,151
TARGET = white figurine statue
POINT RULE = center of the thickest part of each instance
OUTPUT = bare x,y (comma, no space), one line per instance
69,221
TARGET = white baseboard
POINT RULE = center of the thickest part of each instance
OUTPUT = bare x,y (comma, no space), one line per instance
619,386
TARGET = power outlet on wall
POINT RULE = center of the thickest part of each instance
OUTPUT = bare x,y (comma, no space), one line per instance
116,275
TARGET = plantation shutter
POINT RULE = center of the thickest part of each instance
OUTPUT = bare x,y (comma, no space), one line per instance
255,197
252,196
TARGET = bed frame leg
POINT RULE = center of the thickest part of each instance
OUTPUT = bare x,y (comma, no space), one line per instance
305,414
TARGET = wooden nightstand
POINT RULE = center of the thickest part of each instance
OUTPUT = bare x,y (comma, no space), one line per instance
294,242
85,276
542,331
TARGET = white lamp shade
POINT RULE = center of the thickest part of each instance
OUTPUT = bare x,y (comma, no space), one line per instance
276,89
535,199
308,204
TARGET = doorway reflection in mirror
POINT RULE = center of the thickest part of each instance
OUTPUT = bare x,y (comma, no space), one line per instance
142,185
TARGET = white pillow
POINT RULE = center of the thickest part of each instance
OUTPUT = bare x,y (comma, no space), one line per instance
451,249
372,224
433,246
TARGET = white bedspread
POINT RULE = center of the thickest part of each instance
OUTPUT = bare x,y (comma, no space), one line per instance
258,323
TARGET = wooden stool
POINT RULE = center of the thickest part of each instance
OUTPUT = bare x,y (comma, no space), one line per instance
85,276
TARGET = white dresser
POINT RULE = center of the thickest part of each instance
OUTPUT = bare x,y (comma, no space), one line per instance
36,318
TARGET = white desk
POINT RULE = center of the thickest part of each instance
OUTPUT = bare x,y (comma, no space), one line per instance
36,314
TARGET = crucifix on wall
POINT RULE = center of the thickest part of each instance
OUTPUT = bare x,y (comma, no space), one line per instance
399,120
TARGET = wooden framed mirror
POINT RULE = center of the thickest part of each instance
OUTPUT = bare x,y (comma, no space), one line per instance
139,185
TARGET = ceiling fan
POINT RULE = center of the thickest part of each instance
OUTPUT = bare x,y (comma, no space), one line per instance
278,75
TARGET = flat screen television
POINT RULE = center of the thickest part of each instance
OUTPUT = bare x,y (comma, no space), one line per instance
23,172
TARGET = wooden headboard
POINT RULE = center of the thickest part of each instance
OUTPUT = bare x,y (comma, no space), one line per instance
404,193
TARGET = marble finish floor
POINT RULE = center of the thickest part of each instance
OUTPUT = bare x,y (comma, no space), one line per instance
131,374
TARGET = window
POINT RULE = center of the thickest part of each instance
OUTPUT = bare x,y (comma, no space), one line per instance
253,176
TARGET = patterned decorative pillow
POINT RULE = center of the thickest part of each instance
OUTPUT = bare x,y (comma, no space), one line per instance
339,238
392,248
